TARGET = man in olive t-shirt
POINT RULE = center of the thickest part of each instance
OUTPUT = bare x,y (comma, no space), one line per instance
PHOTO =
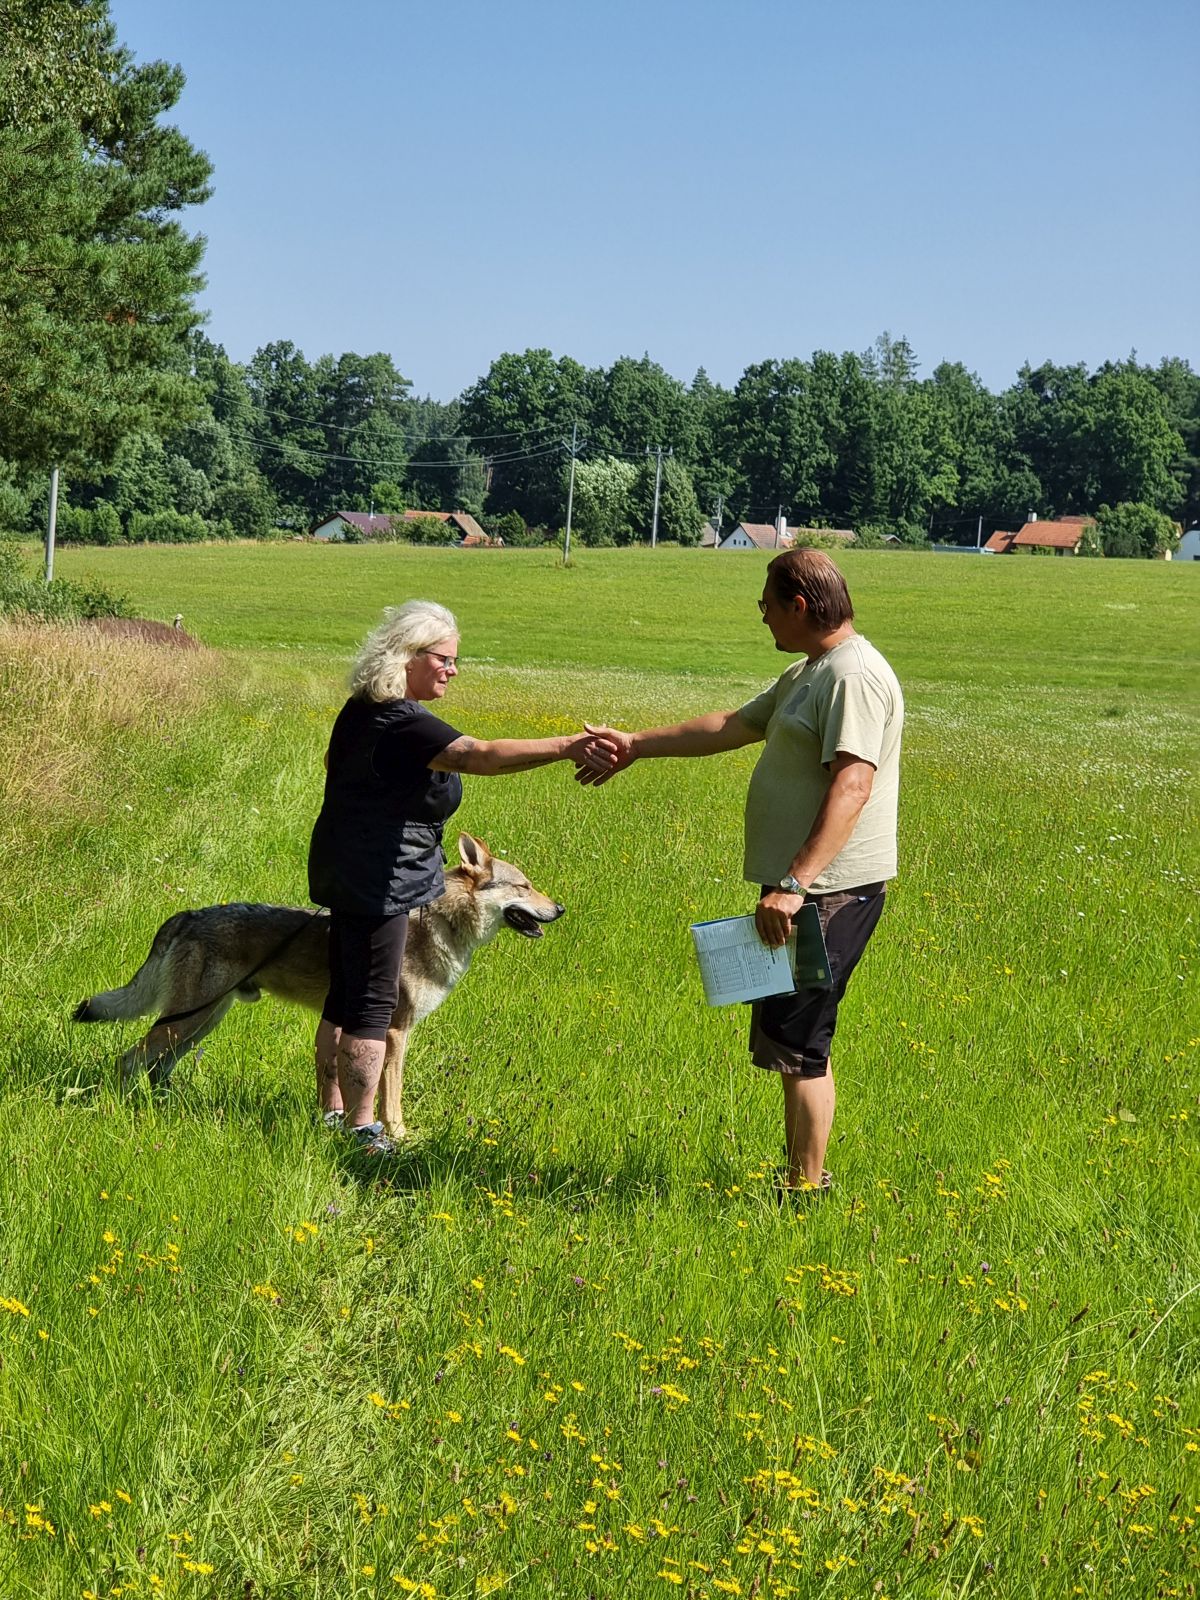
820,820
845,701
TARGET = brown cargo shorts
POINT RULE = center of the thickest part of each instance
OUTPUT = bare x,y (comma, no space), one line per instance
792,1033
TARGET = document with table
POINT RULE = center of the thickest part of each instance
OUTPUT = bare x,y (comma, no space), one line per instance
735,965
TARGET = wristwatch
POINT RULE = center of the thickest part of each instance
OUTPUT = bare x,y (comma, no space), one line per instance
791,885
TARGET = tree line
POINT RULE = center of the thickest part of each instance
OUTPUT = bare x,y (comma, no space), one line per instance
106,372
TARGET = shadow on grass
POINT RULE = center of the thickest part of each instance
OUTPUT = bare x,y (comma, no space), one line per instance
512,1170
87,1082
277,1108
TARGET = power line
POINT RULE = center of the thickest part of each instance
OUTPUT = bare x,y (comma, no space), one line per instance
288,446
414,433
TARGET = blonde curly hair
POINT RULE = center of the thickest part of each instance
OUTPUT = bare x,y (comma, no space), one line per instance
380,670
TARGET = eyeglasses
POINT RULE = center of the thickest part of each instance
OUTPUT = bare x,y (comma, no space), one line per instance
762,608
447,663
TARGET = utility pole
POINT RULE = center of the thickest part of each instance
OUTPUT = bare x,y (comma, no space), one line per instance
979,533
717,525
570,493
657,487
51,524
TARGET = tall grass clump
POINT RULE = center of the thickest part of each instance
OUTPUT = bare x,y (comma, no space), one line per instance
74,699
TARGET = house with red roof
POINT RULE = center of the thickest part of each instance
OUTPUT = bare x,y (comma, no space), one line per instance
1062,536
1000,542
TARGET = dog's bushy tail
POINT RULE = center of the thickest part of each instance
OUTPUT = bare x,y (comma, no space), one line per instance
143,995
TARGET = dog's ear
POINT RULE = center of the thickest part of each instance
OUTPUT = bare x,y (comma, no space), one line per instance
474,855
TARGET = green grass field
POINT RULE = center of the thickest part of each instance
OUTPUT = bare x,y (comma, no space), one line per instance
572,1346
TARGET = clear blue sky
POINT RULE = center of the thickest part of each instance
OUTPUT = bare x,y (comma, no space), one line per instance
999,180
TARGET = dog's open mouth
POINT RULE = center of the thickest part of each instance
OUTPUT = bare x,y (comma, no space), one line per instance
525,923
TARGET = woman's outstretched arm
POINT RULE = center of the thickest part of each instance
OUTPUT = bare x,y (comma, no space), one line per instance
489,758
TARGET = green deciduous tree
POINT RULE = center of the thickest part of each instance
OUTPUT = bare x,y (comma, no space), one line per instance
512,529
1123,441
519,415
246,505
712,473
679,519
777,447
14,500
286,423
428,530
362,411
54,61
635,405
1091,439
603,510
388,497
1180,389
445,471
326,431
1135,529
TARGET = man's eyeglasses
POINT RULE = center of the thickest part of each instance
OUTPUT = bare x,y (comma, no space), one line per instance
445,662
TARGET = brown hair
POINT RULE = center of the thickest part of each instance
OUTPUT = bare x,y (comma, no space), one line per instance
812,575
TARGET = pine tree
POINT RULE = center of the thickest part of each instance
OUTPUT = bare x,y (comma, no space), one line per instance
97,276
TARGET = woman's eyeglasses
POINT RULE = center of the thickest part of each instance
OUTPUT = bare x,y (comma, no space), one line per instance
445,662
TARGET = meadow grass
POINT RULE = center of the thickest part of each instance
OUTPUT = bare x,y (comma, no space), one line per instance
571,1345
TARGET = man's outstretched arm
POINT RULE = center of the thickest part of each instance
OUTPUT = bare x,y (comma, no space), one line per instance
708,735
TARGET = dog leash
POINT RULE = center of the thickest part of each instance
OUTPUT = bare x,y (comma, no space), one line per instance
182,1016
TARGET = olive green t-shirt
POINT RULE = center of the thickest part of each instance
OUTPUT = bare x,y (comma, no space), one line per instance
847,700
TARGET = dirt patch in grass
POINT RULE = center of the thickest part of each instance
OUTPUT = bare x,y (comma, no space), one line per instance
143,630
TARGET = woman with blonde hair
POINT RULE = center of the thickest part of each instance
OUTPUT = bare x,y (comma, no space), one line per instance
392,782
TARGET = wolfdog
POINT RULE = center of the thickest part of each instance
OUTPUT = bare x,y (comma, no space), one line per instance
202,961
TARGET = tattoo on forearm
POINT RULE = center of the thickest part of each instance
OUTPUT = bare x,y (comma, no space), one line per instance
527,764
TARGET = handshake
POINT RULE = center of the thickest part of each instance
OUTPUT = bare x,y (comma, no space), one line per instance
600,753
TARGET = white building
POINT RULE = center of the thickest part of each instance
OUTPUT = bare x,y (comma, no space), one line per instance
758,536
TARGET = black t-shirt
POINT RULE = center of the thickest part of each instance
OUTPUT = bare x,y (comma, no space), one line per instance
375,849
409,743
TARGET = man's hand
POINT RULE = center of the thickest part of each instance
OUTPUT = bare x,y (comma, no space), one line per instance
589,752
773,916
606,752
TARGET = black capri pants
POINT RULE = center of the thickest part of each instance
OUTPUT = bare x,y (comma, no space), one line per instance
365,957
